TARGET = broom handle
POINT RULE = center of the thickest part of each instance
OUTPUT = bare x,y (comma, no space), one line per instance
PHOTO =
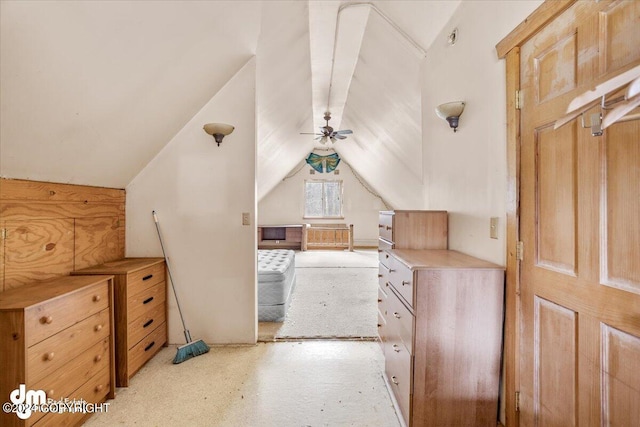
187,335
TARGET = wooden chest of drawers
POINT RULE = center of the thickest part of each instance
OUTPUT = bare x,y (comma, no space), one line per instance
405,230
443,326
140,311
56,336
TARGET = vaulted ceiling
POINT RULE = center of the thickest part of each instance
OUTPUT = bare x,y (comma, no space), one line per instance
90,92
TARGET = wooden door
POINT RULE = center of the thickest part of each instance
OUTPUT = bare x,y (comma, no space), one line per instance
579,350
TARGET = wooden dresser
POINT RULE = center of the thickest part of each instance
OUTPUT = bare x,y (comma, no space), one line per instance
405,229
56,336
140,311
443,335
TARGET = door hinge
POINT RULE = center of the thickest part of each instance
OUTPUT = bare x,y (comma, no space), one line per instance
517,401
3,234
518,99
520,251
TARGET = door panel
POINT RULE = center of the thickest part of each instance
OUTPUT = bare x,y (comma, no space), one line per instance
555,358
579,349
622,200
621,377
556,198
620,37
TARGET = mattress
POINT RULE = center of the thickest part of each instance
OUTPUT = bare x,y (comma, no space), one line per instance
276,280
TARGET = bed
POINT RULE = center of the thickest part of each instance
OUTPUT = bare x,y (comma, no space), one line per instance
276,280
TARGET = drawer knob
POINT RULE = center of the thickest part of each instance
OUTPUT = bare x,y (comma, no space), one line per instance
49,356
379,276
396,348
98,328
46,319
96,298
99,388
379,250
148,300
396,315
405,283
379,325
386,255
379,299
97,358
387,284
380,226
147,323
394,380
388,228
147,277
147,348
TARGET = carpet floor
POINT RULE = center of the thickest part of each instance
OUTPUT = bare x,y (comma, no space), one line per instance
335,297
333,303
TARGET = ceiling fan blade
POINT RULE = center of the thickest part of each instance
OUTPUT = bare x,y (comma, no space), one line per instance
339,136
323,140
310,133
345,132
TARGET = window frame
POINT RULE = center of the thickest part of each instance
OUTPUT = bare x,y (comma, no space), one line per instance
324,204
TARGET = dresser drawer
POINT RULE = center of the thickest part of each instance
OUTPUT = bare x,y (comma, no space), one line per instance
147,348
385,226
383,256
140,302
400,321
56,351
145,324
382,330
398,369
382,300
401,277
54,315
145,278
63,382
93,391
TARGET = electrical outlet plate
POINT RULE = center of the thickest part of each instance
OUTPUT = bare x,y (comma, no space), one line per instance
246,218
493,227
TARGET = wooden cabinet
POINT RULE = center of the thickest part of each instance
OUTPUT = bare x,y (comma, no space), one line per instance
414,229
56,336
443,335
140,311
282,236
408,230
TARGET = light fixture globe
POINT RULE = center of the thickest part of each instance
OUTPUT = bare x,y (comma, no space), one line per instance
451,112
218,131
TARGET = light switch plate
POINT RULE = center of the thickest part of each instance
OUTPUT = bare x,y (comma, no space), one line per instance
493,227
246,218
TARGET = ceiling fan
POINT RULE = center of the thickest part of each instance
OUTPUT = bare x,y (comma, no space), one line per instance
327,132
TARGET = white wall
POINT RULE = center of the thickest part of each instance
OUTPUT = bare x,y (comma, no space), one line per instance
199,191
285,203
466,172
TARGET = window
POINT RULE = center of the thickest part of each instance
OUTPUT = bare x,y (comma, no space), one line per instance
323,199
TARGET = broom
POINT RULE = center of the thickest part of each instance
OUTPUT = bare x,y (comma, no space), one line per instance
191,348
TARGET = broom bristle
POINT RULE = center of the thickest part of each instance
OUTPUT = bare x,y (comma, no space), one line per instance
189,350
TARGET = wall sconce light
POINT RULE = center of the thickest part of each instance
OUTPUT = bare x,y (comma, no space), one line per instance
218,130
451,112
